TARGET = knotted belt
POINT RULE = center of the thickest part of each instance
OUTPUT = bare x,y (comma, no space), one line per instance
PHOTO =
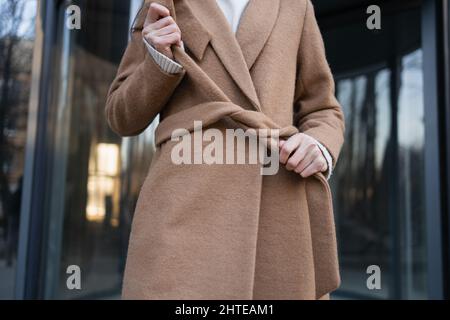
218,107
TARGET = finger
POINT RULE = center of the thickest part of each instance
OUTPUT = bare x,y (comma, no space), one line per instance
164,42
161,23
172,28
312,169
155,12
288,147
296,158
171,39
311,154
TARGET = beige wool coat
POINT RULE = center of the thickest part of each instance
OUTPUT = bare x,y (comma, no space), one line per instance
226,231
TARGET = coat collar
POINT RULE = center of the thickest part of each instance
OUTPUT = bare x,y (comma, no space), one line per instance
196,36
253,32
203,22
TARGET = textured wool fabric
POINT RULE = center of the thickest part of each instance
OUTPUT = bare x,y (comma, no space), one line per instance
226,231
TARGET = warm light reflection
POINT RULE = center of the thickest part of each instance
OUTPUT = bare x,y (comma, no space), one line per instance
107,159
103,184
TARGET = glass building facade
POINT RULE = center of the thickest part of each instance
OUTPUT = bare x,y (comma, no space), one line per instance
68,185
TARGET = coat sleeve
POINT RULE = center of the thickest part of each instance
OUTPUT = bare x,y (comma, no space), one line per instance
316,109
141,88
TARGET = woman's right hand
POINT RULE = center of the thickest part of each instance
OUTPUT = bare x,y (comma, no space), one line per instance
160,30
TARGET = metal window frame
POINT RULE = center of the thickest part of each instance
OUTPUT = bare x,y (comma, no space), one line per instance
436,173
29,262
446,91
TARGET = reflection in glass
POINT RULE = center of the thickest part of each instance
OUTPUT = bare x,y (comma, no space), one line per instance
96,176
358,180
411,139
103,183
379,180
16,52
380,213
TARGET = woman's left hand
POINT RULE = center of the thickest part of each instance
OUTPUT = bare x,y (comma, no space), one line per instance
300,153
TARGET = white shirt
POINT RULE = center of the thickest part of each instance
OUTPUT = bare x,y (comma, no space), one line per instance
232,10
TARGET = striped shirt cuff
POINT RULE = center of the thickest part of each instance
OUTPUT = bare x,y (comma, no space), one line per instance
328,158
164,62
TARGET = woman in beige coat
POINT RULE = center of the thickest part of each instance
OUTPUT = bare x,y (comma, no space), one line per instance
220,231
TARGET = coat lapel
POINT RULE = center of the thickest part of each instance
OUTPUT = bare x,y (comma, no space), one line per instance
224,43
196,37
253,31
202,22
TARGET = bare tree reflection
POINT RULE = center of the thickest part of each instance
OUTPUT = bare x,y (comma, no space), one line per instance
378,184
16,46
